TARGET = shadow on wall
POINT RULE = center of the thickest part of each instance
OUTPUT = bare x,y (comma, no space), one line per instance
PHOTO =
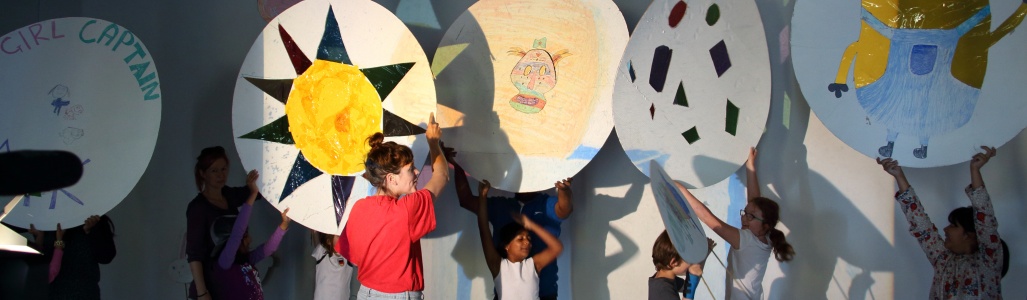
823,225
591,221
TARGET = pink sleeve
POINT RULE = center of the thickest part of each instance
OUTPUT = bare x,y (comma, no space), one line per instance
420,212
55,263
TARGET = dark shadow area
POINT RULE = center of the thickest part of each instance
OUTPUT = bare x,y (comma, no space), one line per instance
591,223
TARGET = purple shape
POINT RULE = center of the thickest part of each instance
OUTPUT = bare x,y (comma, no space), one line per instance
53,200
661,63
342,187
721,60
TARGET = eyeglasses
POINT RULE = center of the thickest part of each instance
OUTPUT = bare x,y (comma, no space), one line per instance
750,216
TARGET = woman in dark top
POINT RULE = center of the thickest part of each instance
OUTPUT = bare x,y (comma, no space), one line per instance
213,200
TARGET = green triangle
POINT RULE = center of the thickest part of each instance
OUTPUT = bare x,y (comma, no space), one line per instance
680,98
277,131
385,78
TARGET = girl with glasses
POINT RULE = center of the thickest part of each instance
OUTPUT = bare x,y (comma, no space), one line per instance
751,244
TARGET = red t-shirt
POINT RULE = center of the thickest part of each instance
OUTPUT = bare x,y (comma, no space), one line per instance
383,239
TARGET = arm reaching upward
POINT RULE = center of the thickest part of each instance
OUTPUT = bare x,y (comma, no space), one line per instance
727,232
463,188
440,168
564,200
492,258
752,185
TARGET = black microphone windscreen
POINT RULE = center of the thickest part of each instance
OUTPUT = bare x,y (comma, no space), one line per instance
32,171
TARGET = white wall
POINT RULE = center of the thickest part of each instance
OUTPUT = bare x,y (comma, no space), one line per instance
837,205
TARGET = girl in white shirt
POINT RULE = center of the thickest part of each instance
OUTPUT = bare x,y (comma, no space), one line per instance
515,274
333,273
752,244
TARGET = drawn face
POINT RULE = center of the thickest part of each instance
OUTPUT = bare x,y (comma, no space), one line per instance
534,72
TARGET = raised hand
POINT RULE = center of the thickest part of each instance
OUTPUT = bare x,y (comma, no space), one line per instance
251,182
483,189
564,184
433,133
60,232
285,219
528,224
90,222
38,235
891,166
980,159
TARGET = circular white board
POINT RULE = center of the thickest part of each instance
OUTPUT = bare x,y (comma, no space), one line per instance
525,88
918,87
679,218
694,96
87,86
373,37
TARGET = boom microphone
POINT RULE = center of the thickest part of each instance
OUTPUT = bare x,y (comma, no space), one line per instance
33,171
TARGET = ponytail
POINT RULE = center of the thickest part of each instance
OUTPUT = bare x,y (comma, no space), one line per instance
782,249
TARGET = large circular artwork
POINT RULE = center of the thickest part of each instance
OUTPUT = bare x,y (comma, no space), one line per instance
693,89
86,86
924,82
318,81
525,88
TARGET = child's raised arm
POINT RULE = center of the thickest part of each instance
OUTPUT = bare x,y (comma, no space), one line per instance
727,232
752,185
553,245
492,258
440,168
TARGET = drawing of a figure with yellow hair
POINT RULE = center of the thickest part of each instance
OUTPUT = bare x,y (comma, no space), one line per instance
920,64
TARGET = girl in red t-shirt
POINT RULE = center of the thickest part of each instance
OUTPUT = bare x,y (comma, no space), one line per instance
383,234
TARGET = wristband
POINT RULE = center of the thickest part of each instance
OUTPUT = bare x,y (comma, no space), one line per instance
58,244
693,284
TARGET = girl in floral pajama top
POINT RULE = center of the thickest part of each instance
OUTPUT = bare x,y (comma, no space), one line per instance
968,262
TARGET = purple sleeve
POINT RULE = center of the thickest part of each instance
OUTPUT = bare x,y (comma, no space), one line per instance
238,229
55,263
268,247
196,233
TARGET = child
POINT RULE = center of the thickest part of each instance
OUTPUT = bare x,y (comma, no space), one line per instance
665,284
333,272
751,245
515,274
235,276
971,261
